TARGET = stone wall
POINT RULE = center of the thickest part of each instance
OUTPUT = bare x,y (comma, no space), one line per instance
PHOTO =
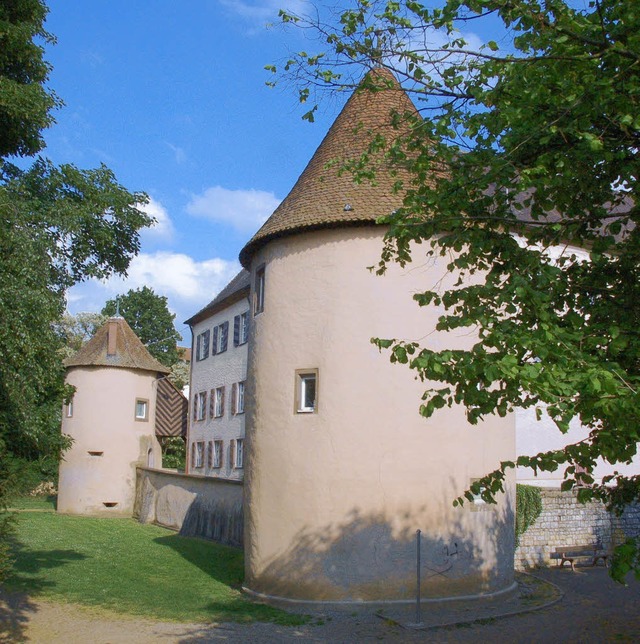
565,522
196,506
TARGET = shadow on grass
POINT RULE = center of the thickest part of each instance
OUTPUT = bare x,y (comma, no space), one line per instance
225,564
15,603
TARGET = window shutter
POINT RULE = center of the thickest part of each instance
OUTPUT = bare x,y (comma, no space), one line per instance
236,330
222,401
193,454
195,406
198,347
234,399
205,341
214,344
224,333
221,453
210,454
212,403
232,453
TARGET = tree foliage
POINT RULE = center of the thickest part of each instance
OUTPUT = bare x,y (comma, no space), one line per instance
525,150
58,226
77,330
148,315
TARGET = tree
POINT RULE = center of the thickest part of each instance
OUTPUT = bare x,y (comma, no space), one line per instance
58,226
523,150
78,329
148,315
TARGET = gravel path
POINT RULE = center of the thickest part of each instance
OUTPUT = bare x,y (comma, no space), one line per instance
593,609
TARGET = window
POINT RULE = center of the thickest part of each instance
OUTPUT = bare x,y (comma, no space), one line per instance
200,405
237,398
239,453
236,453
142,409
258,291
217,454
217,403
202,345
68,409
307,391
241,329
197,454
220,338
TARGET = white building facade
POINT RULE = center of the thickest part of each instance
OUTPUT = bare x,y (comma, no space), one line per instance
220,332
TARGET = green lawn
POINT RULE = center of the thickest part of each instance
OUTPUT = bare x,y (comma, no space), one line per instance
124,566
34,503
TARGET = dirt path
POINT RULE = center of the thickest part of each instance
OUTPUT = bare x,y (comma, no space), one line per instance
593,609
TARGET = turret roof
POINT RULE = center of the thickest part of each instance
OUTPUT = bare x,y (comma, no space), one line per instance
127,350
324,196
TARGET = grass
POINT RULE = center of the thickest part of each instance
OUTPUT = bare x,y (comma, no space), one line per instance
34,503
127,567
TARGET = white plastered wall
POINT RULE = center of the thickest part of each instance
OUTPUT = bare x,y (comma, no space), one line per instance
220,370
98,472
333,499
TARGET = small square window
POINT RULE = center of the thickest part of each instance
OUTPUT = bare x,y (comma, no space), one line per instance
68,409
307,391
142,409
258,294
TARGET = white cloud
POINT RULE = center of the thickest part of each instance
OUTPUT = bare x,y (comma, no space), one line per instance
187,284
163,228
245,210
264,10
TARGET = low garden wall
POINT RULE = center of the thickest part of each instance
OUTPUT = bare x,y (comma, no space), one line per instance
566,522
196,506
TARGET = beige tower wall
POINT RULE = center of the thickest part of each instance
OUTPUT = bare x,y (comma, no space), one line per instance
333,499
98,473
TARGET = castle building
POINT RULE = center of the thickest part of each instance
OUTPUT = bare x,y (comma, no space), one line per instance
341,470
122,402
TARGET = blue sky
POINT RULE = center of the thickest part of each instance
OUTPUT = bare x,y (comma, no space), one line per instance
172,97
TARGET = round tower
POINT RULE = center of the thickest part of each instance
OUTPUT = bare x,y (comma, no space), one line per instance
111,420
342,471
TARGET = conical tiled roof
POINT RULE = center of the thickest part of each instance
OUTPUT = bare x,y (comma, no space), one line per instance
323,197
115,345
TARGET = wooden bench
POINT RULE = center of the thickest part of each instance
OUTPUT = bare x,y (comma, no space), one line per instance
571,553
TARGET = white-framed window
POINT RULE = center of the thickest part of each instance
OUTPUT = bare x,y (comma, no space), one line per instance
306,391
217,402
237,397
142,409
202,345
68,409
258,291
197,453
200,405
220,338
236,453
218,447
241,329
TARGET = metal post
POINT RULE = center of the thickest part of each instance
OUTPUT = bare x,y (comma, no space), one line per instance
418,616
